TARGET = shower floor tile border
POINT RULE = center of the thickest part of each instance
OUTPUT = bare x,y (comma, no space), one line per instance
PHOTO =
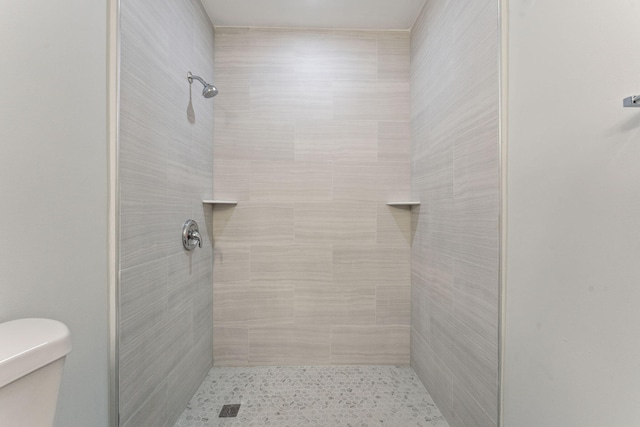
321,396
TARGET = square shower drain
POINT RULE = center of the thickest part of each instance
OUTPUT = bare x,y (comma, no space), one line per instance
229,411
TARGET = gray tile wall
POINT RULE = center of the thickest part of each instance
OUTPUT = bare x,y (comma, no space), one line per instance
312,139
166,167
454,163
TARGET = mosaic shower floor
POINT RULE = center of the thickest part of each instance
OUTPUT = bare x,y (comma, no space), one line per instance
390,396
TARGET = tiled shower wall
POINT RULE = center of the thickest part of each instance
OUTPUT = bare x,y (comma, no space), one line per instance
455,251
165,170
312,138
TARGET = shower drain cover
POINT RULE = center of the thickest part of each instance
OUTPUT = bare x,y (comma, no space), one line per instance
229,411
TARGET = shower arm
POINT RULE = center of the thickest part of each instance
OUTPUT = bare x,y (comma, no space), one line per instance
190,77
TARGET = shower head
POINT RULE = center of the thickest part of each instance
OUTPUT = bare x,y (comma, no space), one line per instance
209,91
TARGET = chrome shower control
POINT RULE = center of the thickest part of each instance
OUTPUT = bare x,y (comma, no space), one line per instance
191,235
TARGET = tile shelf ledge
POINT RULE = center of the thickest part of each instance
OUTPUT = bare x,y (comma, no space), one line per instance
403,204
219,202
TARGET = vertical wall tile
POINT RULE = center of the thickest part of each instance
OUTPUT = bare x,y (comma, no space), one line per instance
392,305
371,100
335,304
313,140
165,170
232,263
394,225
291,181
356,181
394,55
230,346
335,140
466,411
289,345
231,179
230,304
454,169
251,222
371,264
331,222
394,141
338,55
434,373
291,263
352,345
476,299
152,412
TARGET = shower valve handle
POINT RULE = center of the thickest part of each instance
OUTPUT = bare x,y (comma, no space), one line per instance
194,235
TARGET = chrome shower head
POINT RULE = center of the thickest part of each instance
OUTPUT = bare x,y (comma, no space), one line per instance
209,91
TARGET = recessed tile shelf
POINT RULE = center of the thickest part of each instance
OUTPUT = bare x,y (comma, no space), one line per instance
403,204
219,202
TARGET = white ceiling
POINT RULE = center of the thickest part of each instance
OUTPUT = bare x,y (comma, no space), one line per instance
347,14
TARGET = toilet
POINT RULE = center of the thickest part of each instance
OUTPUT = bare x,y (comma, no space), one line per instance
32,354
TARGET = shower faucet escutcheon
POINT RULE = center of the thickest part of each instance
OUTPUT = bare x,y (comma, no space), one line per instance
191,235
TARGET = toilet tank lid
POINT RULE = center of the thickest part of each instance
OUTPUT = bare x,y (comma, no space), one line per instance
29,344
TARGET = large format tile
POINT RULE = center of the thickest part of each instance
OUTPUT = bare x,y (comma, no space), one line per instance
289,345
330,222
476,220
245,137
335,304
185,379
291,263
371,264
356,181
352,345
394,225
152,412
476,299
338,55
281,98
143,301
313,140
291,181
232,263
393,304
371,181
253,303
231,179
455,173
394,55
371,100
165,169
347,140
251,222
230,346
231,304
467,412
394,141
475,365
433,372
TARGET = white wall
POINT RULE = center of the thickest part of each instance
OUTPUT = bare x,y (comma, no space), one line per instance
53,186
573,280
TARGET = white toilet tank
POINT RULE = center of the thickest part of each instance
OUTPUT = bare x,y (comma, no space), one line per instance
32,353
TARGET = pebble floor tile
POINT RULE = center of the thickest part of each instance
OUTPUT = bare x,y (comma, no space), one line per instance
390,396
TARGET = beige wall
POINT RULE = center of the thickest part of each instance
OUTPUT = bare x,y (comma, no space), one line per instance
165,171
312,138
53,187
572,310
455,252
